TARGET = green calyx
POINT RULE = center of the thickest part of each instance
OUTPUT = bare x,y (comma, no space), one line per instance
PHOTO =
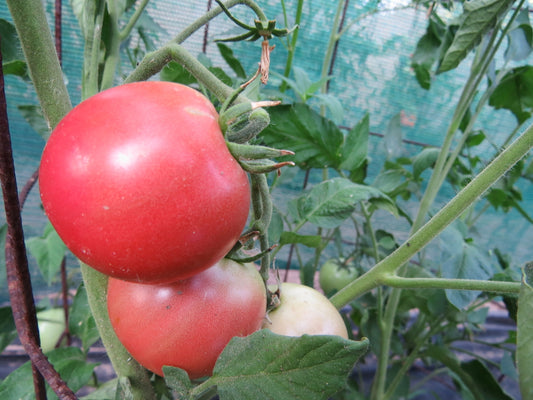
256,159
263,28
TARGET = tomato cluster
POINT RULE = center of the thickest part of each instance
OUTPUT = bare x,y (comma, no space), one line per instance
138,182
140,185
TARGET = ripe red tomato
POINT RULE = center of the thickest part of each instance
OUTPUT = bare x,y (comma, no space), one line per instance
187,323
138,182
304,310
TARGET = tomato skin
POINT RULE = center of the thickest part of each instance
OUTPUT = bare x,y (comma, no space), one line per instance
138,182
187,323
333,277
304,310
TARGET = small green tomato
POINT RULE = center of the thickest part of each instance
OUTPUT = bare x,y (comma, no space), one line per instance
333,276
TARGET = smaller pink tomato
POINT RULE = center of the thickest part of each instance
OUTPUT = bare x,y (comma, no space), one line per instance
187,323
304,310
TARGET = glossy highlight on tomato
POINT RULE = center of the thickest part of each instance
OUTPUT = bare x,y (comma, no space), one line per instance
139,183
187,323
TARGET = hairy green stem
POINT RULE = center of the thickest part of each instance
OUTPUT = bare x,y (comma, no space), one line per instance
112,52
411,358
125,32
457,284
436,180
39,49
153,62
262,210
123,364
91,54
374,277
481,67
291,42
469,91
333,38
375,247
215,11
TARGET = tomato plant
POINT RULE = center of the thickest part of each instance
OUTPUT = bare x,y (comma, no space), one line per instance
150,221
187,323
333,276
304,310
144,190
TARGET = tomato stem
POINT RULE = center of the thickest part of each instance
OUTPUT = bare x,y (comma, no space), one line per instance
262,210
153,62
41,57
381,273
444,161
396,281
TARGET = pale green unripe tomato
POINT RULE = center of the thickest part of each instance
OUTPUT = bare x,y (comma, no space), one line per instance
51,326
304,310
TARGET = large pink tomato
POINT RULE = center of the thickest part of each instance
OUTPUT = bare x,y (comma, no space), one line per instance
138,182
187,323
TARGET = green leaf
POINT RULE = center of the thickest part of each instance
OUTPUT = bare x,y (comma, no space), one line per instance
331,202
85,11
424,160
178,380
508,367
231,60
463,260
33,114
8,331
333,104
69,362
486,386
524,346
175,72
390,181
294,238
475,139
114,389
13,61
467,375
393,137
479,16
354,150
423,75
427,51
81,321
269,366
49,251
302,84
520,38
314,139
515,93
